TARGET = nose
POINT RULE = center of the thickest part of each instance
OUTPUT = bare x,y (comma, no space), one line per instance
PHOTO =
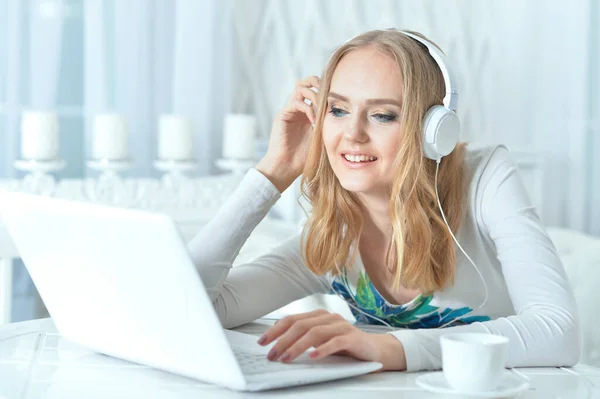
355,130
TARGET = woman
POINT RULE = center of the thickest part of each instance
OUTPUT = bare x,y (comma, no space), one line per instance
376,235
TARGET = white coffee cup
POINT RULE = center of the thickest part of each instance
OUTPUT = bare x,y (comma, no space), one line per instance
473,362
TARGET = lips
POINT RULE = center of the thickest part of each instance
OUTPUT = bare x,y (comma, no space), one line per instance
359,157
357,164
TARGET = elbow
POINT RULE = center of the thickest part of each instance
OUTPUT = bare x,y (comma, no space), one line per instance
570,344
221,311
570,352
566,348
552,339
226,310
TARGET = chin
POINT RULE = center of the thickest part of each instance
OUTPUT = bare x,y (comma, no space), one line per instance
355,185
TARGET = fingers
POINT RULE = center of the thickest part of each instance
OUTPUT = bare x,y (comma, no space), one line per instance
334,345
303,97
284,324
315,337
305,94
302,333
296,331
311,81
301,106
307,90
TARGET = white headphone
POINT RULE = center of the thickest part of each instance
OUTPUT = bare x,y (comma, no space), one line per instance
440,124
440,135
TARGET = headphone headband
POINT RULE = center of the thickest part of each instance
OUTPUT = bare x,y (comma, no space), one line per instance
451,97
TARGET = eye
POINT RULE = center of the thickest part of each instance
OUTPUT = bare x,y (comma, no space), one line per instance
337,112
385,118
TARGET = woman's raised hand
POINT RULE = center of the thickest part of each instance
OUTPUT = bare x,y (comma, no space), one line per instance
291,135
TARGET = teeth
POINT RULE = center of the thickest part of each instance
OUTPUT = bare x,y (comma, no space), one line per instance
359,158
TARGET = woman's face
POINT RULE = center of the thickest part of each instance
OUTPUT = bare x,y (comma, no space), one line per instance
362,129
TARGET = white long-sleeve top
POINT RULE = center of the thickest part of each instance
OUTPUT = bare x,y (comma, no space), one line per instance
530,300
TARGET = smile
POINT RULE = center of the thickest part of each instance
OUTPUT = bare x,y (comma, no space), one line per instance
359,158
358,161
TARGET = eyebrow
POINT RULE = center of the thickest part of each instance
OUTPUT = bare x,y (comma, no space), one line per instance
369,101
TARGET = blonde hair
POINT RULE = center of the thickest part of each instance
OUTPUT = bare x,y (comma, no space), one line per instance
421,254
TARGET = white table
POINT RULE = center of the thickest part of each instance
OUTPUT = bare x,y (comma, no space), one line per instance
35,362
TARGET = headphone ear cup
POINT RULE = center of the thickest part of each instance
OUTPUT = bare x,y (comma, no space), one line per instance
441,128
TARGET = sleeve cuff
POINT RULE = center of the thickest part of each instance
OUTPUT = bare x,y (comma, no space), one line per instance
411,349
257,183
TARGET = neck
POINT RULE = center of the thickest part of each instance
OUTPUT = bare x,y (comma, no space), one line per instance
377,223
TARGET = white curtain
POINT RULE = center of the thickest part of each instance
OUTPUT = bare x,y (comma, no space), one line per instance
30,49
146,57
140,58
593,149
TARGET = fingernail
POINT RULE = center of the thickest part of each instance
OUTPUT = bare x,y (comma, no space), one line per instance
313,354
262,340
272,354
285,357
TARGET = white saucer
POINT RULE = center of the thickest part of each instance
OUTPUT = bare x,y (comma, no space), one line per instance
511,385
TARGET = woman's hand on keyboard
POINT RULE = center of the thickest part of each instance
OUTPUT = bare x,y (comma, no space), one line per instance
330,333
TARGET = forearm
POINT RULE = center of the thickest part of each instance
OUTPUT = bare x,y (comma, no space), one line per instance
221,239
541,336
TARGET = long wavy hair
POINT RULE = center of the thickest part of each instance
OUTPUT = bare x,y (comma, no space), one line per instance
421,254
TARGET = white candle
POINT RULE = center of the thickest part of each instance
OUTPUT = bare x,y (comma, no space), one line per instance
239,136
110,137
175,138
39,135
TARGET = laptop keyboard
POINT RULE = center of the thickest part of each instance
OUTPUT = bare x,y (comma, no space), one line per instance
257,363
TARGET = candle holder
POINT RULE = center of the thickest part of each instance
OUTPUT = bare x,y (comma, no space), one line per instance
179,189
176,168
109,188
39,181
235,166
109,166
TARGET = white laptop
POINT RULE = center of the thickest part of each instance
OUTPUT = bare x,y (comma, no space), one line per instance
122,283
